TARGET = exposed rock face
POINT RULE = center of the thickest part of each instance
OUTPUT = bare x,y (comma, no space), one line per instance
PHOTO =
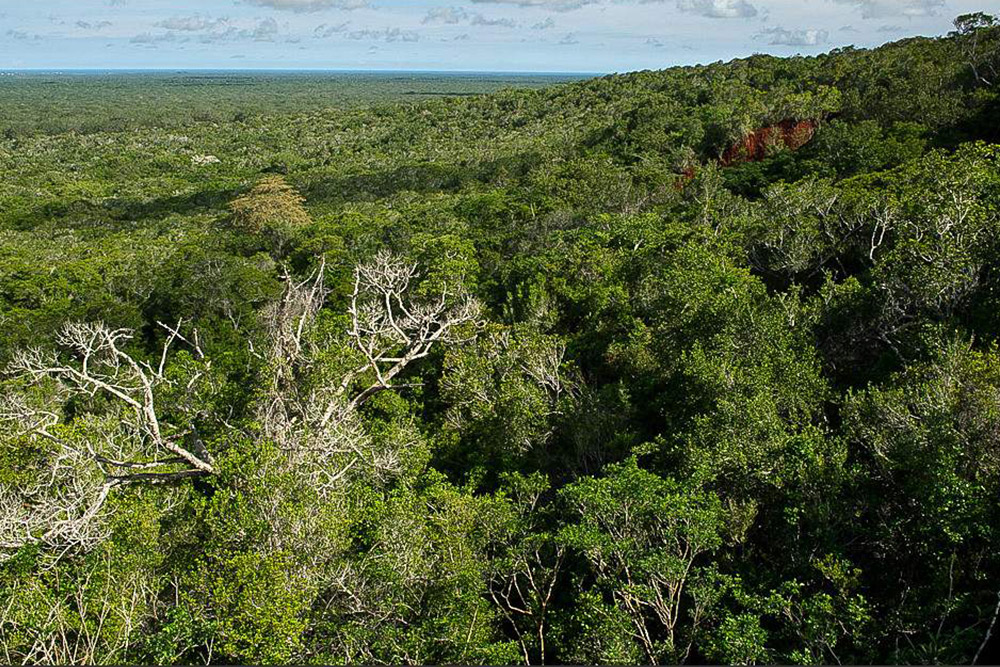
754,147
790,134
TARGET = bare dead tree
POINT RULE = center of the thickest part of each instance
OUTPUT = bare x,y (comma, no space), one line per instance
390,328
311,411
63,507
289,354
101,365
319,429
59,510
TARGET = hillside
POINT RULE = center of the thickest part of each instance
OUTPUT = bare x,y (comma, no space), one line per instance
696,365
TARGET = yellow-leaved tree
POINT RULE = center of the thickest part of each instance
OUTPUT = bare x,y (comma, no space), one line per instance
273,209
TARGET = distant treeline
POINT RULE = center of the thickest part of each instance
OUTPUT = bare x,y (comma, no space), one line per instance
108,100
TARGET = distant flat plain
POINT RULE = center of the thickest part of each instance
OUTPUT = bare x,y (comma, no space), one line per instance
92,100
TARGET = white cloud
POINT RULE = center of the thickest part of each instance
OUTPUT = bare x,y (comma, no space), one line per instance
96,25
150,38
21,35
324,30
784,37
457,15
309,5
193,23
450,15
718,9
265,31
479,19
871,9
386,35
555,5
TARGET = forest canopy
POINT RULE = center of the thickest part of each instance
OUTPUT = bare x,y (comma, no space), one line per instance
699,365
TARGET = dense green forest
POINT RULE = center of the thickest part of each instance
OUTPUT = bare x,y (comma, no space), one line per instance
98,100
699,365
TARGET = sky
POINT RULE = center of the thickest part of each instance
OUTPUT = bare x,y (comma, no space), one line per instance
592,36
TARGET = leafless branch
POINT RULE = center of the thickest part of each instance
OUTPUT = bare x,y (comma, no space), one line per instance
63,506
989,631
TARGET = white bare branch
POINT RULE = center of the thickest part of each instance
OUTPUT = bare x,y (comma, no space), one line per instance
61,508
102,366
62,502
390,328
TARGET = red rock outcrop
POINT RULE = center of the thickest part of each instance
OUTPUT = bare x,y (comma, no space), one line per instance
790,134
754,147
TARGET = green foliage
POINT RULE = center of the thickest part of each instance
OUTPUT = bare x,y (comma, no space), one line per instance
506,392
641,536
719,397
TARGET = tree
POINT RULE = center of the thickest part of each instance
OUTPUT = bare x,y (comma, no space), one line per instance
507,389
413,590
272,208
62,507
642,536
526,564
932,440
391,326
318,429
980,44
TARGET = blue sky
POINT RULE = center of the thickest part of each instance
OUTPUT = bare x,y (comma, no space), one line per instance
496,35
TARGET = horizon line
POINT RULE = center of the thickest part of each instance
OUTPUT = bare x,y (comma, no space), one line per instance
307,69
